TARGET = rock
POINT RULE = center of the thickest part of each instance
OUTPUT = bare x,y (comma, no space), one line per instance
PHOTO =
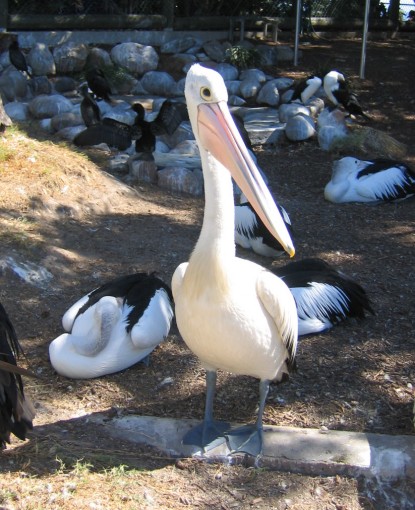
48,106
236,101
98,57
66,119
183,132
70,57
283,84
188,147
315,105
227,71
179,45
286,53
286,96
158,83
253,74
17,111
181,180
328,135
215,50
268,55
13,85
184,58
269,94
41,60
119,164
233,87
65,84
250,87
46,125
69,133
142,170
40,85
136,58
286,111
300,127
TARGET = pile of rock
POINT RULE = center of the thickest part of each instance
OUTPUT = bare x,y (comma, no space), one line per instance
51,98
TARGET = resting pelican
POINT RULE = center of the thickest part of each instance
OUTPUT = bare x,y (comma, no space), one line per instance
16,409
113,327
338,91
252,234
307,88
233,314
375,181
324,296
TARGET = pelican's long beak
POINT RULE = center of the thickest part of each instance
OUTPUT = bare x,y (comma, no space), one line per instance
220,137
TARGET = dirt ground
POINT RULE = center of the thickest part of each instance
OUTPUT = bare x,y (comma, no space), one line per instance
64,212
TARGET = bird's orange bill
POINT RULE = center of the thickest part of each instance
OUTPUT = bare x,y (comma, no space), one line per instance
9,367
221,138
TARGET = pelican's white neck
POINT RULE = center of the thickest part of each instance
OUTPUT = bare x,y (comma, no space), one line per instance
215,249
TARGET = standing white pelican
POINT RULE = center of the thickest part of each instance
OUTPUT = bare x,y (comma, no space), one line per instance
375,180
233,314
113,327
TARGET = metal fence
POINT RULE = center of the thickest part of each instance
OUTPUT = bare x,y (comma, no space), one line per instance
185,8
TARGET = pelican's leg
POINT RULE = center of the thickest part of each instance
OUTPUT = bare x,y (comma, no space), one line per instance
248,439
209,433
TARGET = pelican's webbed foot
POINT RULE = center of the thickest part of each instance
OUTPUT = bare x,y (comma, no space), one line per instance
245,439
207,435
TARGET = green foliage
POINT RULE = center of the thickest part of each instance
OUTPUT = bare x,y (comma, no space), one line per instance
243,58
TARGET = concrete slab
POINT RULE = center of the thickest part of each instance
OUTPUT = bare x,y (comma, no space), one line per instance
305,451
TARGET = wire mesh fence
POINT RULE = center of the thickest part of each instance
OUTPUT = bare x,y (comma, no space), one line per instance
273,8
66,7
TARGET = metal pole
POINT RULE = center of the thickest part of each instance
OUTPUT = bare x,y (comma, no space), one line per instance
297,31
364,41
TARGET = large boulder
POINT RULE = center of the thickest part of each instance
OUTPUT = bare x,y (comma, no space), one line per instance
158,83
70,57
13,85
136,58
269,94
178,45
41,60
42,107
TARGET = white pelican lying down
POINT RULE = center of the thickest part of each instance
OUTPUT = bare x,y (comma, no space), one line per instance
113,327
252,234
324,296
376,180
233,314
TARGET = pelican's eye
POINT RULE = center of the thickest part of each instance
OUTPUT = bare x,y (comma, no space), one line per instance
205,93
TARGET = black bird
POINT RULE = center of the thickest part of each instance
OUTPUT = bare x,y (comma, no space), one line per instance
17,58
323,295
110,131
90,111
16,409
144,132
98,83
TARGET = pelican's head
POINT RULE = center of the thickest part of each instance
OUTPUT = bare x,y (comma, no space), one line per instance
216,133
